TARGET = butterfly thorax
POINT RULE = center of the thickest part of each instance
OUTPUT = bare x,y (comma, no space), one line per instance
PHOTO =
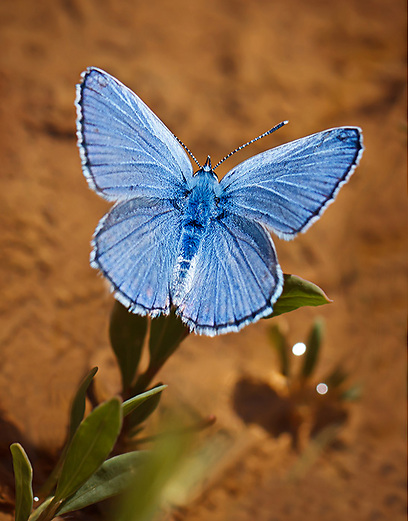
201,201
200,207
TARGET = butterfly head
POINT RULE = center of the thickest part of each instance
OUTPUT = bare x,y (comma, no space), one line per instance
207,165
207,169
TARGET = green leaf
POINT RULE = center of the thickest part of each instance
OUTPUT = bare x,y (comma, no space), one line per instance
312,349
336,378
150,486
297,293
127,332
78,403
114,477
133,403
166,334
90,446
145,409
23,476
279,343
76,416
352,394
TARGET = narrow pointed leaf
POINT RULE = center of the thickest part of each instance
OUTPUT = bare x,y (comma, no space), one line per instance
166,334
312,349
336,378
23,476
146,408
352,394
127,332
76,416
151,484
90,446
133,403
39,510
78,404
279,343
114,477
297,293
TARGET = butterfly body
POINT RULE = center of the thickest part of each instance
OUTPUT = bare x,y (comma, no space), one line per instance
187,240
199,209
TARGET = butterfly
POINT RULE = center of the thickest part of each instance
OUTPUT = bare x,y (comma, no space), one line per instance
183,239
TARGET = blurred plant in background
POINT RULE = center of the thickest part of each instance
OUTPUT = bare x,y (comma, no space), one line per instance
334,384
98,462
294,400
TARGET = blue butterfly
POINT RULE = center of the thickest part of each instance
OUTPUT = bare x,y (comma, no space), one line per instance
184,239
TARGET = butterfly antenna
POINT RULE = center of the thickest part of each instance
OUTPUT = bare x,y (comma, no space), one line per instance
189,151
276,127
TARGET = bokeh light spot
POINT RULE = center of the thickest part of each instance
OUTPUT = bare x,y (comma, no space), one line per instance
299,349
322,388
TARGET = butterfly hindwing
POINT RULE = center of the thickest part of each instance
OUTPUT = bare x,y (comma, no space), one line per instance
235,280
135,247
288,187
126,150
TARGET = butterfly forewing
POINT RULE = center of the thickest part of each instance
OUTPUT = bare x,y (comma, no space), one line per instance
126,150
288,187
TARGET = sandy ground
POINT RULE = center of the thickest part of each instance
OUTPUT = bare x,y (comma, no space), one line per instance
218,74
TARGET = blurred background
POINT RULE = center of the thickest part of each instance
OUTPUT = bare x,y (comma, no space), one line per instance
218,73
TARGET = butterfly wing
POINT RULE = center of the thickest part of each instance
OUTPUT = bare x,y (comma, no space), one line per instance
288,187
135,247
126,150
235,280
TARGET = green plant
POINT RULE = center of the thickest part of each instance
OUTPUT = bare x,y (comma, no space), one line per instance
86,472
304,377
320,406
